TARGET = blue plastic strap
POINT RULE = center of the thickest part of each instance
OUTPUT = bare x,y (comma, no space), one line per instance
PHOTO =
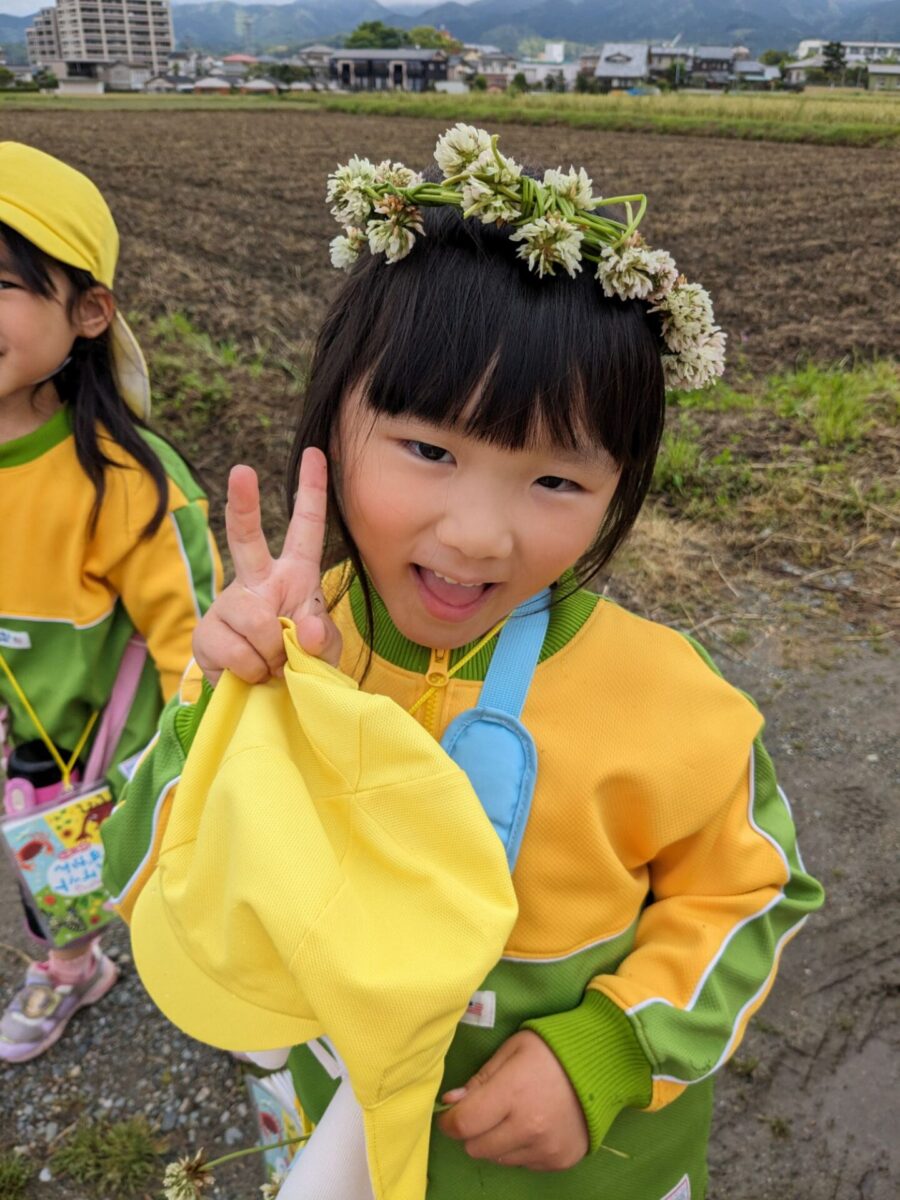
489,742
515,658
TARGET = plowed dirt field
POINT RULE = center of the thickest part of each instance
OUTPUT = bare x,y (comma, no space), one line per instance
224,223
223,216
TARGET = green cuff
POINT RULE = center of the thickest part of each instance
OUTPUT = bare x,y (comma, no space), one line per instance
187,717
599,1052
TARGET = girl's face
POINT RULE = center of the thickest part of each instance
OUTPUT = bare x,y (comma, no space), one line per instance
456,532
36,332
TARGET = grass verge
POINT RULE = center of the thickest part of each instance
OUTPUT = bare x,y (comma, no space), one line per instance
791,481
852,119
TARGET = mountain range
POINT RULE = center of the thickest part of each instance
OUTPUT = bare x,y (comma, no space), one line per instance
223,25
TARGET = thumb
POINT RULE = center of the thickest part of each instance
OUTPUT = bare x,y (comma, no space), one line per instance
484,1074
319,636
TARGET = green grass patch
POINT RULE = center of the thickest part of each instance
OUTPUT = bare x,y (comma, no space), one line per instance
840,404
121,1159
15,1174
850,118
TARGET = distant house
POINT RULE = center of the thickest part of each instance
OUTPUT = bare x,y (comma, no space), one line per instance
496,66
711,66
795,72
123,76
160,84
236,66
318,59
404,70
884,77
665,56
751,74
184,63
212,85
623,64
258,87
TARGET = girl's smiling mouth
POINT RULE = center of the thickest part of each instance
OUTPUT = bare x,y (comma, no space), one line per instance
446,598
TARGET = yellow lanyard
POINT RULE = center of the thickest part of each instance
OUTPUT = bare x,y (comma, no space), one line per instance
65,768
462,662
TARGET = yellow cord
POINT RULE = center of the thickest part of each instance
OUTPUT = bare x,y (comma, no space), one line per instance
64,768
462,662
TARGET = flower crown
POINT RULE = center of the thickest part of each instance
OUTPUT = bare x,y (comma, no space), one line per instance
380,206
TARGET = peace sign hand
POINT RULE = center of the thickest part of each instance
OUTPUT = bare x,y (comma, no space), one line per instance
241,630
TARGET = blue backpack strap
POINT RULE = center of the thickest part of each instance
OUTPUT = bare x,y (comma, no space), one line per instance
489,741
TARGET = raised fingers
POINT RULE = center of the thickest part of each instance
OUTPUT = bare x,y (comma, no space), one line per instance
306,533
243,525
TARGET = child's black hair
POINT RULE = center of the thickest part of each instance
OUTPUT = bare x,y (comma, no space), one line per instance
87,383
462,317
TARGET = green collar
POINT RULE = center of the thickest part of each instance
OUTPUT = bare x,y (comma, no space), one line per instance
566,617
39,441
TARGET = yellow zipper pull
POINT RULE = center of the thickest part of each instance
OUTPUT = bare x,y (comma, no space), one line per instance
437,677
438,674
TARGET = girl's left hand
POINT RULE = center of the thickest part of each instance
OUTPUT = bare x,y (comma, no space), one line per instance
519,1110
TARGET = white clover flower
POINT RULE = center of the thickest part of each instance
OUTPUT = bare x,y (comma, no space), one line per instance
459,147
346,246
187,1178
687,312
397,174
634,272
346,189
549,241
490,206
662,270
576,186
271,1189
395,236
699,363
505,173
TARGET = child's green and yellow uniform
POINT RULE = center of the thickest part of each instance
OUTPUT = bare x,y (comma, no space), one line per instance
71,597
658,882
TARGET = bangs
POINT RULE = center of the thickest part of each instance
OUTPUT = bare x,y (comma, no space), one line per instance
461,334
24,259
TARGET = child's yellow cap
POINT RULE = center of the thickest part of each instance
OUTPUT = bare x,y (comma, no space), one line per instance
61,212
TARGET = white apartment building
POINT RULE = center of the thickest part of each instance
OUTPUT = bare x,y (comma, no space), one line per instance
138,32
854,49
42,38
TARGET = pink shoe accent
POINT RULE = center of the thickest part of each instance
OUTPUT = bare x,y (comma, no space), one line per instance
38,1014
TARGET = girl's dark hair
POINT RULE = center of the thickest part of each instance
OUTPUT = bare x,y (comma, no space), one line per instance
88,384
462,316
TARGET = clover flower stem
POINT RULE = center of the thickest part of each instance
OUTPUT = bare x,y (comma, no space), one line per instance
603,225
498,157
218,1162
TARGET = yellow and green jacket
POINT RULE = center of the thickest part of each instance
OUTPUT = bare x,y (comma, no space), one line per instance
658,882
71,597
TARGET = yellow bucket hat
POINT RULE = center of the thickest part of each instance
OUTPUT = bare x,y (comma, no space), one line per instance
327,869
61,212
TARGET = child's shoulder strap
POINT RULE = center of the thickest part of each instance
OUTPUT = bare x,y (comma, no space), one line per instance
489,741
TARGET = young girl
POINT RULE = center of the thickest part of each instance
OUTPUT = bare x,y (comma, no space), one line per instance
103,532
491,433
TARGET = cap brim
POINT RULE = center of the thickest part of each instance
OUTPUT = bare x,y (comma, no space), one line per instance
132,375
191,999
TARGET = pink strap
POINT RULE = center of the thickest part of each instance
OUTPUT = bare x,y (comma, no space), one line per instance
117,709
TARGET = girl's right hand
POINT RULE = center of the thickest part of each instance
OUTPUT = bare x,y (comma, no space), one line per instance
241,630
